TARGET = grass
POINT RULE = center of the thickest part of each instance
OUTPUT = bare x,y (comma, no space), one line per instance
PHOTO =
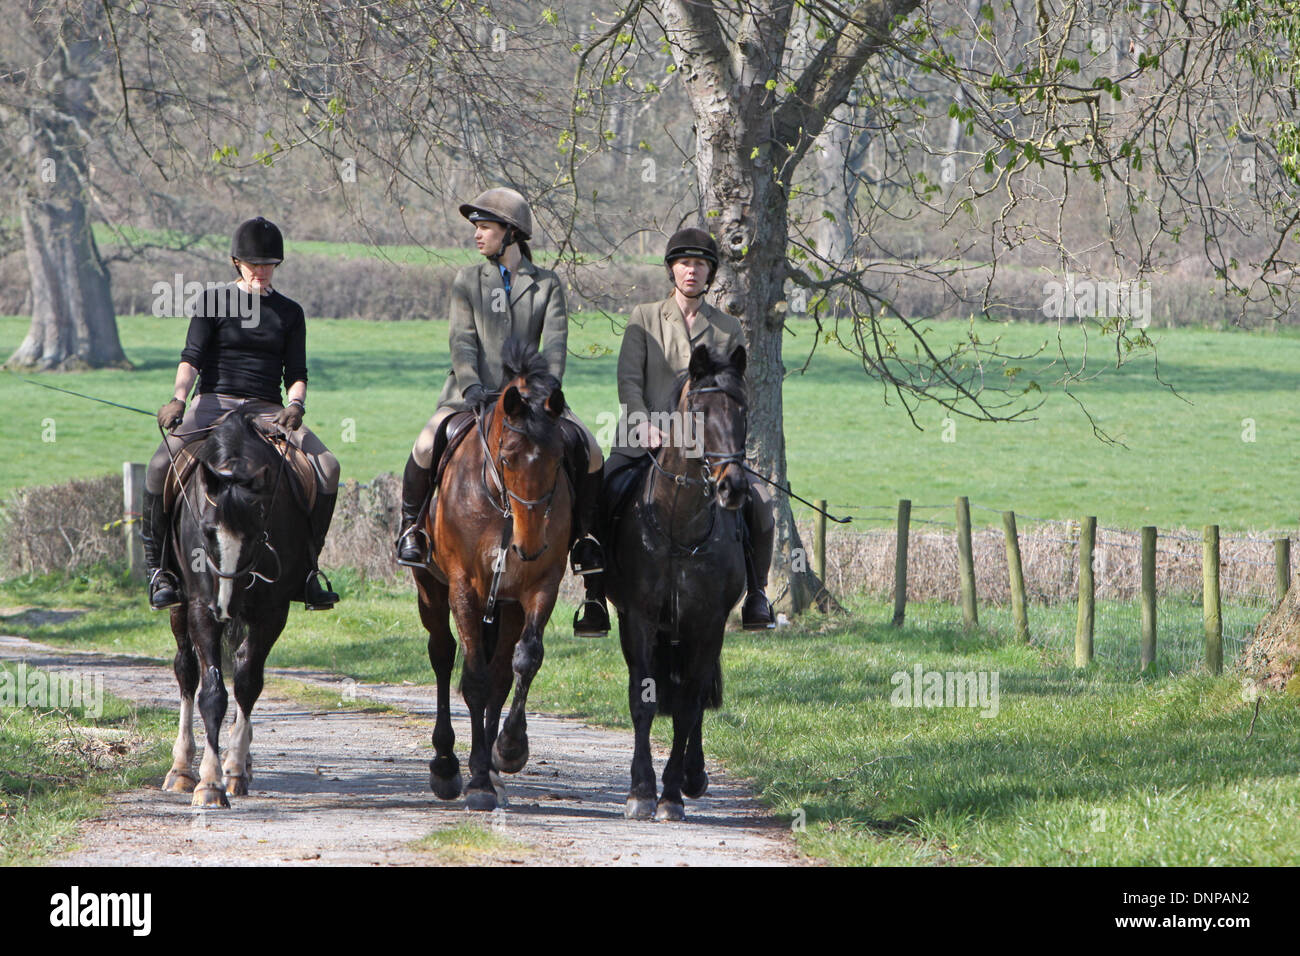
55,774
1105,765
468,844
1186,463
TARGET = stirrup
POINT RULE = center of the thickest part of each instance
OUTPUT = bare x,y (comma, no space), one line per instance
587,557
596,628
419,542
162,578
325,599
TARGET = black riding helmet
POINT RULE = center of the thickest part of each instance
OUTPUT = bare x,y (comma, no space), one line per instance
692,244
257,241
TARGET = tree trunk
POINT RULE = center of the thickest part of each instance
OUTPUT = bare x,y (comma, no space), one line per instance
747,211
73,323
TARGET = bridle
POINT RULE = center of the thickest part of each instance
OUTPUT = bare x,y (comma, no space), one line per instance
713,463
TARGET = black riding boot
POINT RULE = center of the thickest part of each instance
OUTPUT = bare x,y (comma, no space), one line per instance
317,596
412,546
587,557
588,560
163,591
756,613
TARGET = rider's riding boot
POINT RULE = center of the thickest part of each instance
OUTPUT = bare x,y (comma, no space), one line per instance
592,620
317,596
756,613
163,590
412,546
587,557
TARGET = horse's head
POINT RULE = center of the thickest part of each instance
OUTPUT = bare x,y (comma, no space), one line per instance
528,448
236,481
714,414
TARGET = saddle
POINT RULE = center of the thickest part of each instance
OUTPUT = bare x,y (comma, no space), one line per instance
300,473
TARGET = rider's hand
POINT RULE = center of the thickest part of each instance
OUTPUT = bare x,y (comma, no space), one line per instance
170,415
476,396
647,436
290,417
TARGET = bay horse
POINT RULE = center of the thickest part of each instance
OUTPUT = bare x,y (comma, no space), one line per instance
241,543
500,533
677,569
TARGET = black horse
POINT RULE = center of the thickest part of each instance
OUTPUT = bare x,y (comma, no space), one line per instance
242,544
676,572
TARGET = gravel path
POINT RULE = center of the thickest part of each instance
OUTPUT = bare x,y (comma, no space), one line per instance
349,786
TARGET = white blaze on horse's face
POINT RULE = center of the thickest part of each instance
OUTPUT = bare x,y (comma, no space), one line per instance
229,545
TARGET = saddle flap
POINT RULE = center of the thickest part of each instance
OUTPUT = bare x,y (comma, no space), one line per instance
300,473
451,433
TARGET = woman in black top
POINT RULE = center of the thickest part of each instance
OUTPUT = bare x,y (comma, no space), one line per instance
244,340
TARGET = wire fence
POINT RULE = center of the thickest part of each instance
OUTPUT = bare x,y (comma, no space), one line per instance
862,560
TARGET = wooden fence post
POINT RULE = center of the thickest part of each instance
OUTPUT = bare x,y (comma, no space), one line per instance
1016,577
900,561
1087,593
1282,563
1210,592
132,504
966,562
1148,596
819,540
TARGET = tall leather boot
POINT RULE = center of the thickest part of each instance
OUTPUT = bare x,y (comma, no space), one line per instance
412,545
163,590
756,613
317,596
588,560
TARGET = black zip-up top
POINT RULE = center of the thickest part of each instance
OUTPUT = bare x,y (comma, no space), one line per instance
245,344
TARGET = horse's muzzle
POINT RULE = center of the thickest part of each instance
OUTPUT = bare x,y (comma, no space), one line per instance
530,557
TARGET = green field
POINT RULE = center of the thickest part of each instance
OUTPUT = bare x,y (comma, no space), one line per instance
1183,462
1104,766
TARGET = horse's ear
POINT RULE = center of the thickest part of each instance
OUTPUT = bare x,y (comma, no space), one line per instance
738,359
513,401
261,478
555,403
701,364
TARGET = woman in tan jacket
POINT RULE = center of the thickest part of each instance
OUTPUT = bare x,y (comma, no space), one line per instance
505,297
655,353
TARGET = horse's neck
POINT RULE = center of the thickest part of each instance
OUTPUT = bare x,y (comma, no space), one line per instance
683,509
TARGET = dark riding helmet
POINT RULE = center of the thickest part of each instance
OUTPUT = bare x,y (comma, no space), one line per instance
257,241
692,244
504,206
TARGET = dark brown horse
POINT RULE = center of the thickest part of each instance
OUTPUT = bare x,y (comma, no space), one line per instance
500,541
242,544
676,572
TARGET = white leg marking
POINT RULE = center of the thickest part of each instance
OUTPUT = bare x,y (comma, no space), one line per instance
229,545
183,749
241,735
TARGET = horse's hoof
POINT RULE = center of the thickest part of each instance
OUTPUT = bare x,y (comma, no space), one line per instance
696,786
481,801
180,781
237,785
210,795
446,788
670,812
512,758
639,808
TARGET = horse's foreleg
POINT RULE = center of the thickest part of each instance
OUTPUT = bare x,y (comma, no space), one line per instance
475,682
510,751
250,666
180,778
643,700
696,780
688,714
444,769
210,791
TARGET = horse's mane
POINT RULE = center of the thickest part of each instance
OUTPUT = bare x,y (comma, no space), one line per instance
721,374
520,359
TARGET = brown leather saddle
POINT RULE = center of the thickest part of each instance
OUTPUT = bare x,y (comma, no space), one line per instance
300,474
